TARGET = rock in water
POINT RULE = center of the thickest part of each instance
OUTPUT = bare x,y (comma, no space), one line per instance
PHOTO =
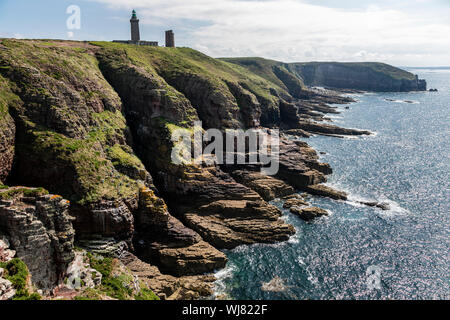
294,202
325,191
308,214
274,285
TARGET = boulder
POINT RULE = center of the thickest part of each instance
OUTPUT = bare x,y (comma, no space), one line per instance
294,202
267,187
325,191
309,213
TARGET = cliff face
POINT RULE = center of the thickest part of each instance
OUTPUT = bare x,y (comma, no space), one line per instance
361,76
368,76
93,122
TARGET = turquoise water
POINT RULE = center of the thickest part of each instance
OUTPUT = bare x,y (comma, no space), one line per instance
406,163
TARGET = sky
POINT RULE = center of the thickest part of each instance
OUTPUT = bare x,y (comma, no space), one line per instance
400,32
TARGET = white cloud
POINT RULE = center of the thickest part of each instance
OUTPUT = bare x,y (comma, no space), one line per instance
291,30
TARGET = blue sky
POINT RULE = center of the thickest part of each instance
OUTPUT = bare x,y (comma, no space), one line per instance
401,32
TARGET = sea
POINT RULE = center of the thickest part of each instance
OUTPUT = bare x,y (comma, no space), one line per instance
360,252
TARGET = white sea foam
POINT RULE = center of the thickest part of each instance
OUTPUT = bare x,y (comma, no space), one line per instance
221,276
355,200
394,207
402,101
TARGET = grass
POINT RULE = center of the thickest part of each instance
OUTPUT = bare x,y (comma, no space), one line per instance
17,272
63,71
122,156
115,284
176,65
26,192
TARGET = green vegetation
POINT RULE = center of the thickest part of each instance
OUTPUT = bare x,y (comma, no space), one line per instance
121,155
26,192
146,294
260,66
17,272
116,282
377,67
85,118
113,286
95,174
177,65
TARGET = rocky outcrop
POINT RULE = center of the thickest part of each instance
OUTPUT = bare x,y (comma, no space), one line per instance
224,212
7,290
39,229
325,191
165,241
360,76
309,213
299,166
267,187
168,287
79,274
328,129
248,103
294,202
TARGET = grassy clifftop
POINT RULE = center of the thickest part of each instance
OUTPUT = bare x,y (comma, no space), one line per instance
223,94
68,118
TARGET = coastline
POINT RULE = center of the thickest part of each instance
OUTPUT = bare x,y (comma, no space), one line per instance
111,159
341,246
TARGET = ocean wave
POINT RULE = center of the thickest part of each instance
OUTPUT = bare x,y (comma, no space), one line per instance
402,101
394,208
357,200
220,287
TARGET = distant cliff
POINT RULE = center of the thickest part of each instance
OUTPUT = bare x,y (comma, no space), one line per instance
367,76
370,76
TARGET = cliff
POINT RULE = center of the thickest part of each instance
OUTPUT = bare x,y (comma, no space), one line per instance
369,76
92,122
366,76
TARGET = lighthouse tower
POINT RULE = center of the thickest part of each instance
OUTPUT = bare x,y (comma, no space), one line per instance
135,36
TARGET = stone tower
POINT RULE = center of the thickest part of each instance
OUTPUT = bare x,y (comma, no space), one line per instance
135,36
170,39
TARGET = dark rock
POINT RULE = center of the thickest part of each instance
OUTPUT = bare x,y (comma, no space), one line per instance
164,240
267,187
325,191
43,240
383,205
308,214
321,128
294,202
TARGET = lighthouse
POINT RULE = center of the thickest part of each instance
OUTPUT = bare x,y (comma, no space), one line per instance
135,35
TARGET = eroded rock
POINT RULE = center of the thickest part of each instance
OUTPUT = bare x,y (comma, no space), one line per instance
309,213
42,236
325,191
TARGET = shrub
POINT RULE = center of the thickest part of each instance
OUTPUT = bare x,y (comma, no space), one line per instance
17,273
